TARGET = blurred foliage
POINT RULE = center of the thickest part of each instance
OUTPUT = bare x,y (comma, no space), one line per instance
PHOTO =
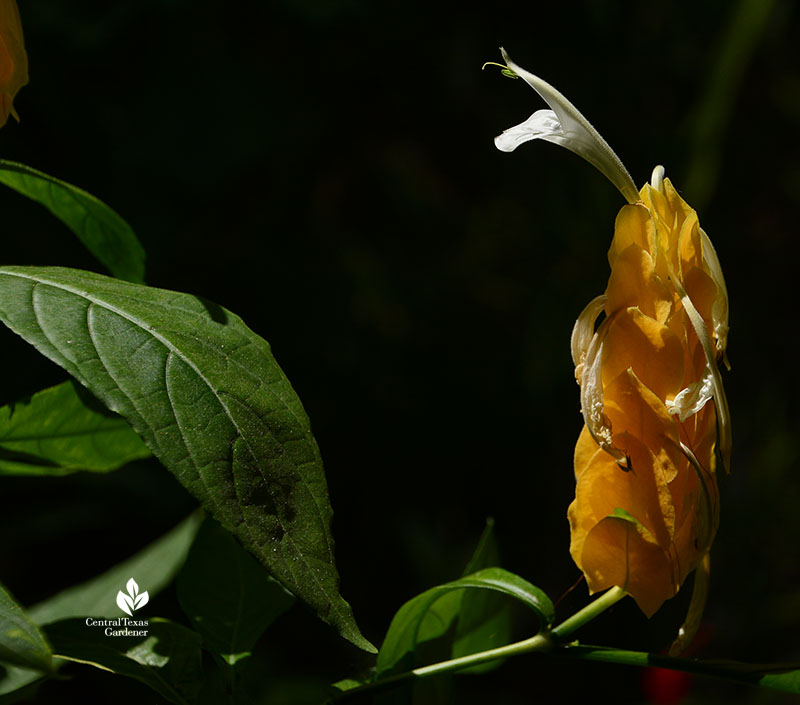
343,151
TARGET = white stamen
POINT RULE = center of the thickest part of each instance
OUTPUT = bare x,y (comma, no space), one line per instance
693,398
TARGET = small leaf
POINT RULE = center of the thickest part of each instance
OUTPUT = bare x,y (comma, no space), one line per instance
155,565
228,595
405,632
64,429
21,642
107,236
347,684
484,620
19,681
208,398
167,659
620,513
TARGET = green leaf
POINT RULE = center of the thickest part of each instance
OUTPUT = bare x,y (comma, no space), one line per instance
153,567
346,684
484,620
486,554
208,398
620,513
21,642
64,429
18,684
107,236
406,630
228,595
446,611
168,659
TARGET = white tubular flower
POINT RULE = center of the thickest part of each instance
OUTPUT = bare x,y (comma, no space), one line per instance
564,125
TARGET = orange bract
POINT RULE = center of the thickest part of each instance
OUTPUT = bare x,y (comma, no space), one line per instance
647,505
13,59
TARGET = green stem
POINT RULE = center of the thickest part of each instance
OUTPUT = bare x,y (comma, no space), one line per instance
588,613
779,676
542,642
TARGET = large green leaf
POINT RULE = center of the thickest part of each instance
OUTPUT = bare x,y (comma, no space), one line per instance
406,630
21,642
167,659
107,236
154,567
209,400
229,597
63,429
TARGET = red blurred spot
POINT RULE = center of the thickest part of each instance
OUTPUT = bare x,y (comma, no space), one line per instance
663,687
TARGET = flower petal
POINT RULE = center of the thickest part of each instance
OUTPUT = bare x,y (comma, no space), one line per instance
576,133
543,124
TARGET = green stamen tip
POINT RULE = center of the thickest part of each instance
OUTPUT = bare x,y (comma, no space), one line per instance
510,73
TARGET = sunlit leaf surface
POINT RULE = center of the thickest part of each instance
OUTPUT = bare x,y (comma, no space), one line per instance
208,398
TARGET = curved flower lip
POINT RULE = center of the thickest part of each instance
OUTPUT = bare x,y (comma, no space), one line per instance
583,332
719,311
564,125
587,354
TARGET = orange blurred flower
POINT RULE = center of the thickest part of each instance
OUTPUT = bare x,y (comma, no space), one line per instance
13,59
646,506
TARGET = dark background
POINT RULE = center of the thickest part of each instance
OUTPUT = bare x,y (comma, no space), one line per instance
325,169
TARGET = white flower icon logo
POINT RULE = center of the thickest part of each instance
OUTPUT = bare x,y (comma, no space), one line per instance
134,600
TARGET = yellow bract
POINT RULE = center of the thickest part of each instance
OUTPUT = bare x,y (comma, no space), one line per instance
644,524
13,59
